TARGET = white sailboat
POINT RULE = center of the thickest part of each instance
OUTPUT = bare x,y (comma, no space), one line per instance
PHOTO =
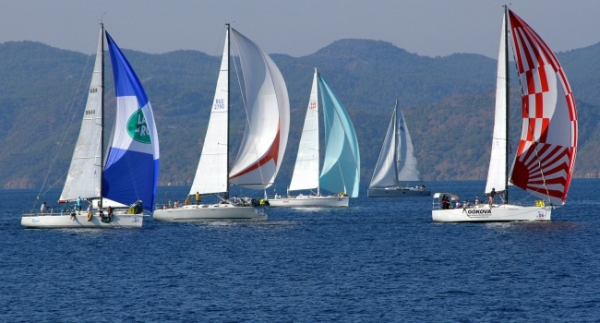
262,148
341,165
545,158
397,164
130,174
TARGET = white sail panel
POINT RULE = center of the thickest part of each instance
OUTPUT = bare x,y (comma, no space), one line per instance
385,173
211,175
406,161
546,154
306,169
496,178
267,109
84,178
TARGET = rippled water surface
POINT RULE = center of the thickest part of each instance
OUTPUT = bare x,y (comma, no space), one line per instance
380,260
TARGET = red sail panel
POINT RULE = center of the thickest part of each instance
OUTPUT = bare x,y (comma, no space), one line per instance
546,155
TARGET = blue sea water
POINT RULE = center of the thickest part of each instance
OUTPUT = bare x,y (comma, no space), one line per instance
380,260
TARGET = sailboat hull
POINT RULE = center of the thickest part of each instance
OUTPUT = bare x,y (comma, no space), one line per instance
397,192
498,213
57,221
204,212
308,201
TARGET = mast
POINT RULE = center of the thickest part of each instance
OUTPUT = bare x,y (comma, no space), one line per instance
228,104
507,86
396,142
318,143
102,119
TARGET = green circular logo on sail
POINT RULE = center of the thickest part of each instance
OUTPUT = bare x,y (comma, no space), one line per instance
137,127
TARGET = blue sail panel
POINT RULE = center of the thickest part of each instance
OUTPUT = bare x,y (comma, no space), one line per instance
341,164
132,162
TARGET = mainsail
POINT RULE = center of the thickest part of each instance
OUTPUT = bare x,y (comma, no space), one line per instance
546,153
306,169
211,175
341,164
83,179
131,171
268,118
496,178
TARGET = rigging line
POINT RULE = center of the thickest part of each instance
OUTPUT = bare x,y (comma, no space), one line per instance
65,131
244,103
529,126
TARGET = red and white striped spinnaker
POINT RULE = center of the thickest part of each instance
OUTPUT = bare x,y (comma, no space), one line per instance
547,148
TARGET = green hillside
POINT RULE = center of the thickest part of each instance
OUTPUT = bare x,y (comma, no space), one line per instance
448,103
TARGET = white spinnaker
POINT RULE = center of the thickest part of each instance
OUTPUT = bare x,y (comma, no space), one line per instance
497,170
211,175
267,107
406,160
83,179
385,171
306,169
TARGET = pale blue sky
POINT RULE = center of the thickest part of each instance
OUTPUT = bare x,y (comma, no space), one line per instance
296,27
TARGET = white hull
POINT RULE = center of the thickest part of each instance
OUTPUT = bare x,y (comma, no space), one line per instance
204,212
397,192
65,222
498,213
306,201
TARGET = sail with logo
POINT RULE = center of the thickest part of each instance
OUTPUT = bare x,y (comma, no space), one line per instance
127,183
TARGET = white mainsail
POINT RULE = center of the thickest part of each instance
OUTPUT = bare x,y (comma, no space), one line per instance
306,169
268,118
497,170
211,175
84,176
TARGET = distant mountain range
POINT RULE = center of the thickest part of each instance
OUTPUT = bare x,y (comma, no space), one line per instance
448,103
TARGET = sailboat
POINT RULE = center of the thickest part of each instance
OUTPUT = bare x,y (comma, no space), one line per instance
397,163
544,162
128,180
262,148
341,165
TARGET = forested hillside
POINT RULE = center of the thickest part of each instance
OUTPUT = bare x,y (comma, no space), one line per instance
447,101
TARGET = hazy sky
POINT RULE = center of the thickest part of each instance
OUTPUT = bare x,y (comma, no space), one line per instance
296,27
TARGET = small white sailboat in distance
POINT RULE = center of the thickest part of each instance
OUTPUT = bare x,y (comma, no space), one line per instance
130,174
341,164
261,151
397,164
545,158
